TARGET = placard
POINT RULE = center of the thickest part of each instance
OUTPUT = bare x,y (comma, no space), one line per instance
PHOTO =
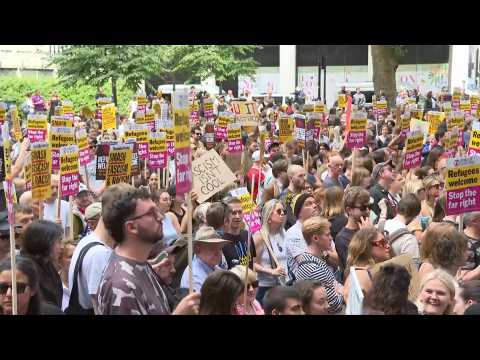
135,169
419,125
3,112
102,158
434,119
83,148
285,129
250,214
139,132
119,164
69,170
465,107
208,108
157,150
342,101
109,120
210,175
300,131
17,129
41,171
413,150
150,119
462,182
183,165
234,137
209,135
244,108
60,136
224,118
357,134
37,128
28,172
61,121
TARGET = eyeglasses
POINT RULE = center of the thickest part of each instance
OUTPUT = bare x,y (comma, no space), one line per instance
281,212
153,212
383,243
5,286
363,208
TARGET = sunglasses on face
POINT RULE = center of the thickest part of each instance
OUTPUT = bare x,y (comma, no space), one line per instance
5,286
254,284
281,212
383,243
363,208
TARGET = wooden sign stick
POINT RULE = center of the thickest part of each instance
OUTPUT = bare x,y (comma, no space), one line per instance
190,241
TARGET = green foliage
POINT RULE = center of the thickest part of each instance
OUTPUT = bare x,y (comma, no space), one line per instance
13,89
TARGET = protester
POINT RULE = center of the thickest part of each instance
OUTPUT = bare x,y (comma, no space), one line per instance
335,177
29,298
252,306
466,295
382,177
66,254
282,300
296,176
170,225
333,209
50,207
271,259
208,256
314,297
92,216
437,294
220,293
42,244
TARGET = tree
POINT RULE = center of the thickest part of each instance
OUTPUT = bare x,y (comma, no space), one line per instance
386,59
96,65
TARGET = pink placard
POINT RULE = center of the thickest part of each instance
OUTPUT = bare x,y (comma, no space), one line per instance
356,139
220,133
143,150
253,221
412,159
235,146
183,173
462,201
157,160
84,156
36,135
170,148
55,159
70,184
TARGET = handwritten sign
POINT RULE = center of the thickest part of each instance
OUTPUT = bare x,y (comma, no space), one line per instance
357,134
210,175
69,170
462,183
413,150
119,164
41,171
234,137
244,108
250,214
157,146
37,128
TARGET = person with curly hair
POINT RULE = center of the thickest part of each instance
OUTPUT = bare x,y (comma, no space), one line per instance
389,292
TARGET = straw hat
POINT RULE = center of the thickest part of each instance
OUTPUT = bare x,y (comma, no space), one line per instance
208,235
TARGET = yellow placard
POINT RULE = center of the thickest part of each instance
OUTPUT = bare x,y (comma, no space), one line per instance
244,108
37,122
414,142
434,118
405,122
457,119
69,163
109,117
465,105
149,116
119,165
247,203
462,177
342,101
474,140
17,129
140,118
61,121
417,114
319,107
41,171
61,136
235,132
157,143
181,128
7,149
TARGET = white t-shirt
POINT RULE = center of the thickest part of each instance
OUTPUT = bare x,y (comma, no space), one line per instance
94,263
50,213
94,184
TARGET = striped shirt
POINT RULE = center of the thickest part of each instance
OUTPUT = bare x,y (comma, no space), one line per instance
311,267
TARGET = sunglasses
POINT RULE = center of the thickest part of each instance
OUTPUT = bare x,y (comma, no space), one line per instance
383,243
254,284
363,208
281,212
5,286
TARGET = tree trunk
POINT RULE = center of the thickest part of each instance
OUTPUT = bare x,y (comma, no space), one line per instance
114,90
384,69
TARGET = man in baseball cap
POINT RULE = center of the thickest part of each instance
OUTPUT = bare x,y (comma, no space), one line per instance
382,176
207,246
82,200
92,216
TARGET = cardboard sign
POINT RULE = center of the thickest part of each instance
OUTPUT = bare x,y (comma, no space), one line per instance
119,164
139,132
102,158
474,145
109,120
434,118
157,154
234,137
83,148
37,128
357,134
244,108
413,150
183,164
223,120
210,175
300,131
69,170
41,171
61,121
60,136
250,214
462,182
285,129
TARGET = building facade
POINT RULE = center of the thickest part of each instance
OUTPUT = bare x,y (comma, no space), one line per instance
27,60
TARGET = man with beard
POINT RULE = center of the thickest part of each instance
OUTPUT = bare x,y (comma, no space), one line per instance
296,175
129,285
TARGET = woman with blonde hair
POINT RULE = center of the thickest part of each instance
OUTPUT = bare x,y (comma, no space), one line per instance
437,294
333,209
271,260
443,247
252,307
367,248
361,177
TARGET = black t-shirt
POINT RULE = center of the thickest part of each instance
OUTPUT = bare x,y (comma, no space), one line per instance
342,240
338,222
237,249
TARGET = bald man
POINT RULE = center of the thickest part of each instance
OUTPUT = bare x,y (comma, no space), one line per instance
26,200
297,175
335,176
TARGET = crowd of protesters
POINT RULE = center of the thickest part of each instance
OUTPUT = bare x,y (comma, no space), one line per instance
331,220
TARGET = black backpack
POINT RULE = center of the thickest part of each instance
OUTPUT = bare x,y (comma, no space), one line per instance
74,307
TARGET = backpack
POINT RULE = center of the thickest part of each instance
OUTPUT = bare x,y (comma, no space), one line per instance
394,236
74,307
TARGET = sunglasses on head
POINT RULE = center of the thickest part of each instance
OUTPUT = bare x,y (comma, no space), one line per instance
5,286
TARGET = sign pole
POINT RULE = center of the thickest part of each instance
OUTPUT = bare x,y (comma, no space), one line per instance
460,223
190,241
86,177
158,177
59,203
13,269
70,200
248,259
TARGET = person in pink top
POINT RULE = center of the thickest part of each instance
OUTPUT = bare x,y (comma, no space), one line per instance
253,306
38,102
